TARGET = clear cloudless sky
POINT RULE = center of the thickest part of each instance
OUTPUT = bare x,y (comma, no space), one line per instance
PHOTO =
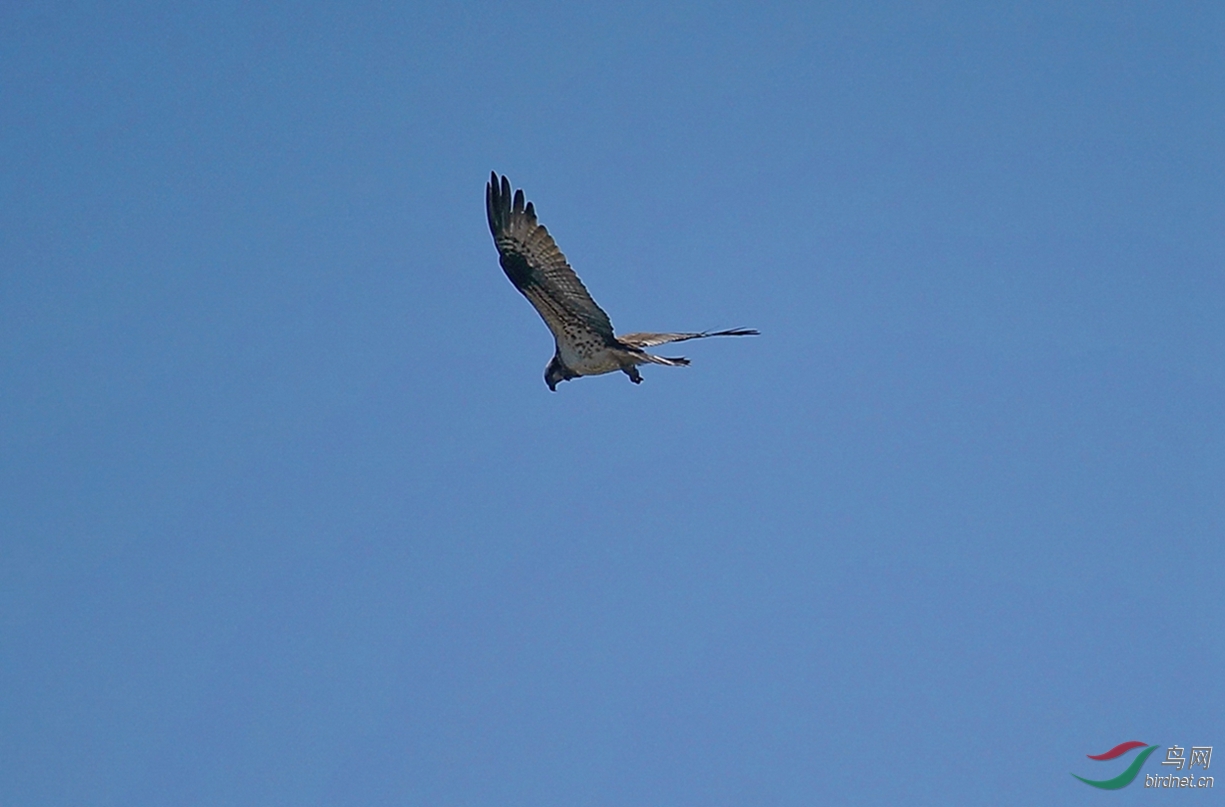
289,517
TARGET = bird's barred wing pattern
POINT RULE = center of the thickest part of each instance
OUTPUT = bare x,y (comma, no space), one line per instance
538,269
641,340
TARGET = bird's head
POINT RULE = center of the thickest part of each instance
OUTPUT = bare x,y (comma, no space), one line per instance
555,373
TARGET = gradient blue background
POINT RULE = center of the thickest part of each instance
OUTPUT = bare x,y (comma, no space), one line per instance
288,516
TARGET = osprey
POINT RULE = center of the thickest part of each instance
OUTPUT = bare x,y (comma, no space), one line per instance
586,344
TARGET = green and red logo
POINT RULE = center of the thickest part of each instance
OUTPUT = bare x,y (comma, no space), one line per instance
1133,770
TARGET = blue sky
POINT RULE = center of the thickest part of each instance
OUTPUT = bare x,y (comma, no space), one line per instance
288,515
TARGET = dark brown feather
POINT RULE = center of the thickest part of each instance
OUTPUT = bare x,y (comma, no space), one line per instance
532,262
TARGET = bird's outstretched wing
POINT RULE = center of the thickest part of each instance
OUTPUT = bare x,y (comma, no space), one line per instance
537,268
641,340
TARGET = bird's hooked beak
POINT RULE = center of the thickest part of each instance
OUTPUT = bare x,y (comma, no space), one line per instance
556,373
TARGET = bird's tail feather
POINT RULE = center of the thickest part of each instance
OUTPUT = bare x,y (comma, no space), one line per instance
641,340
679,361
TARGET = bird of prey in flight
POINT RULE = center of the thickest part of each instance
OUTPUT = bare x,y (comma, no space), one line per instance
586,344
